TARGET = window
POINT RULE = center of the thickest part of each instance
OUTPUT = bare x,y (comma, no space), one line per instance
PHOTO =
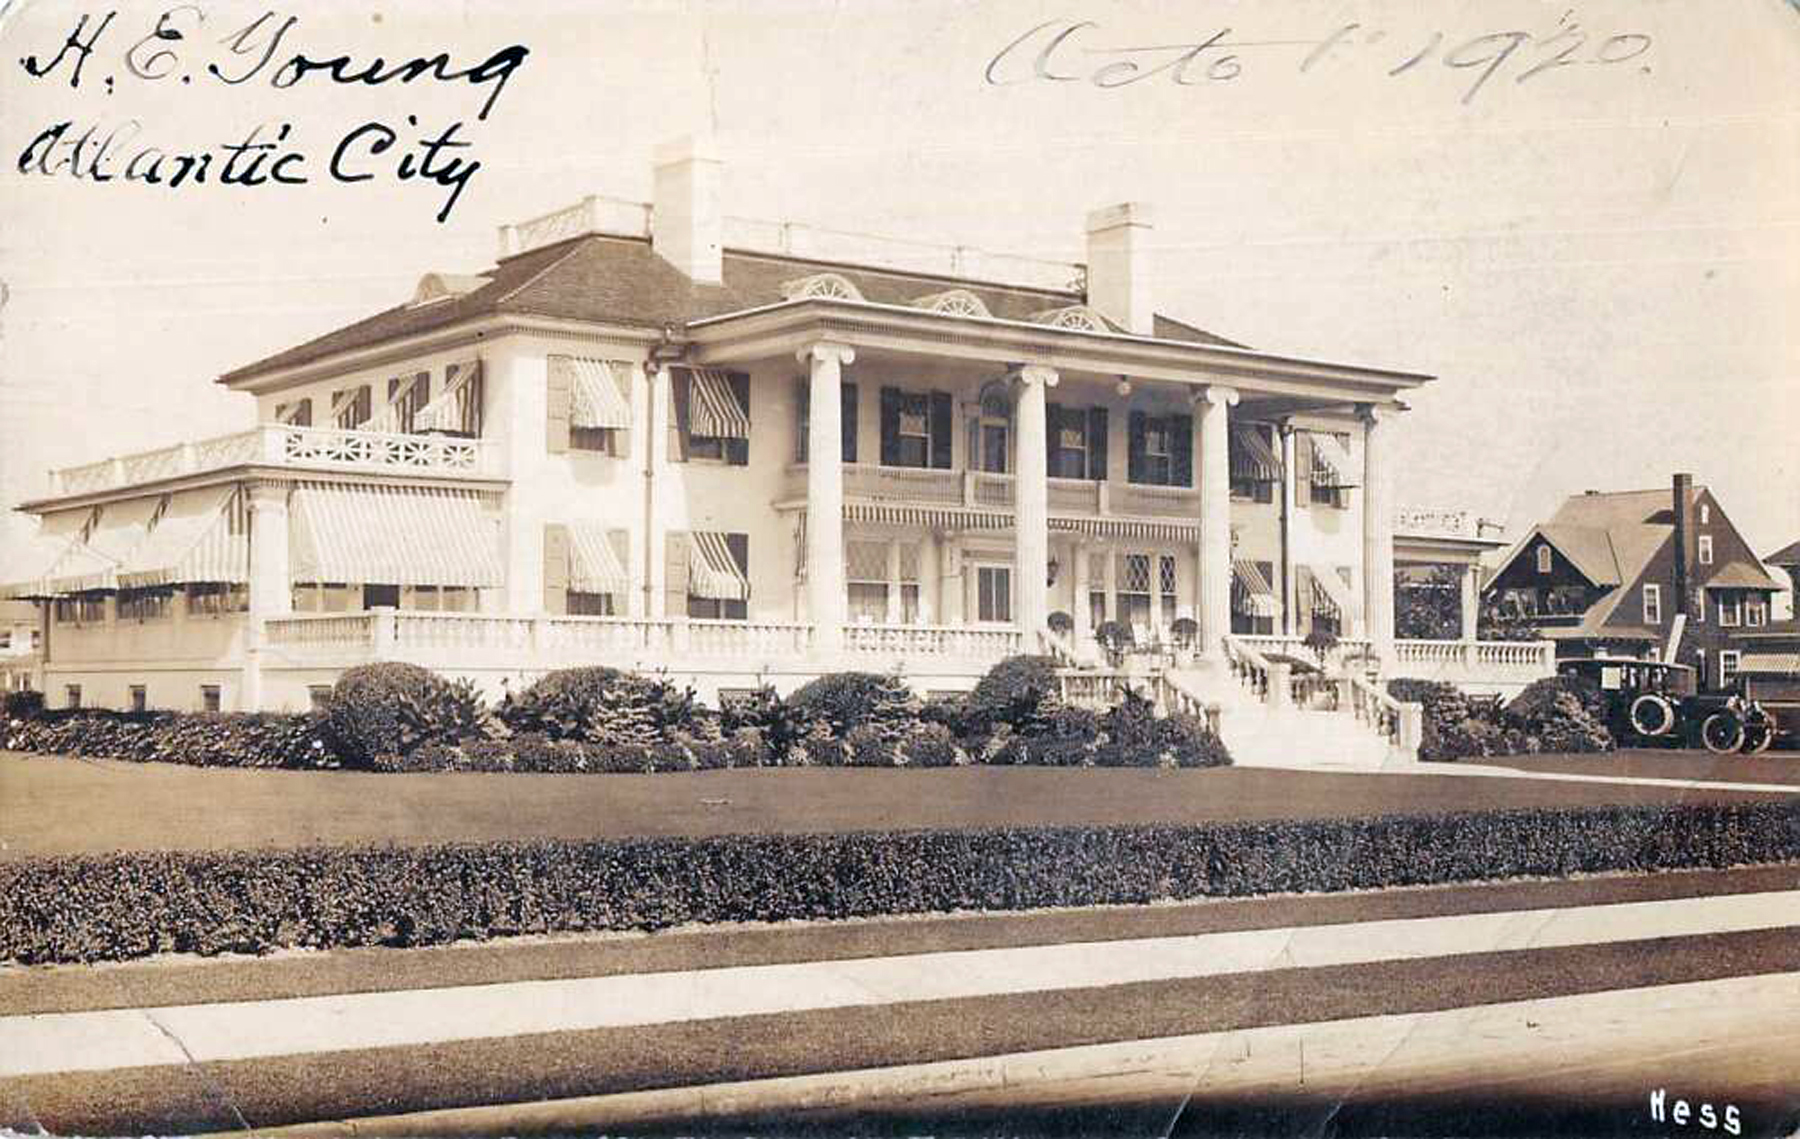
139,698
209,698
144,604
915,429
803,426
1133,592
295,414
1161,450
1255,469
719,564
1165,583
1096,589
1705,514
1756,614
993,590
711,416
1077,442
72,695
215,598
382,595
82,609
591,604
1731,610
350,407
1156,452
1706,550
1545,558
319,696
1728,666
1652,605
407,395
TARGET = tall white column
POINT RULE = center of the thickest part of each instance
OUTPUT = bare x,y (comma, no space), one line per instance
271,593
1031,505
1471,601
953,601
893,615
825,595
1081,610
1213,474
1290,502
1378,532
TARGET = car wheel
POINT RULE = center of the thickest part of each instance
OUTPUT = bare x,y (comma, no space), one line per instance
1759,735
1652,715
1722,733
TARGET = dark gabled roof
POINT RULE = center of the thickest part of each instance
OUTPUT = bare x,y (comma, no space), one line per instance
621,280
1788,555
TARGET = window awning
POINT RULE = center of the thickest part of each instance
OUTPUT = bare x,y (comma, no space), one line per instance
388,419
1770,664
452,410
94,564
597,391
713,574
392,536
1330,594
714,411
30,563
594,566
1254,593
1331,466
1252,459
202,537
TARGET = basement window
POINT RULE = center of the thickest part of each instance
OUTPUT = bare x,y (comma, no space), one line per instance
209,698
139,698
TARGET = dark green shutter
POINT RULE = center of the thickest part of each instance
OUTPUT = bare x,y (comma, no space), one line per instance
739,546
737,451
802,410
1181,450
847,409
680,390
1134,458
941,428
558,399
1053,414
675,576
890,427
556,569
1096,441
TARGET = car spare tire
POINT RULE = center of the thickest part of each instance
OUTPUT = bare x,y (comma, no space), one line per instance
1652,715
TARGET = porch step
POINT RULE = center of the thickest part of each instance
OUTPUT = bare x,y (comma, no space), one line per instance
1261,736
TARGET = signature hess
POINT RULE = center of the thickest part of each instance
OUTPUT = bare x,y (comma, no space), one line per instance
1071,51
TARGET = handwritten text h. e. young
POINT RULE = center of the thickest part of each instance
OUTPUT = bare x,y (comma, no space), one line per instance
174,48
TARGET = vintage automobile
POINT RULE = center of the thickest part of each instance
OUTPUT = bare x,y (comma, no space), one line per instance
1655,703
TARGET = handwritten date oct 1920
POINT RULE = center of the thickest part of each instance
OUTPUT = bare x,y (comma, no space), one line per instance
178,46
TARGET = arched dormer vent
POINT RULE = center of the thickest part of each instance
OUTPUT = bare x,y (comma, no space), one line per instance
826,286
443,286
1078,317
956,302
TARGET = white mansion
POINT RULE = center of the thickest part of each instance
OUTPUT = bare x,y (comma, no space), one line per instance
660,438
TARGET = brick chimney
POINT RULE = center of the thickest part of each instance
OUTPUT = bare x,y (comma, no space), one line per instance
687,217
1682,508
1118,266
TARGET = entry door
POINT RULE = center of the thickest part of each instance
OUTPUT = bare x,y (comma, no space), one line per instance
993,594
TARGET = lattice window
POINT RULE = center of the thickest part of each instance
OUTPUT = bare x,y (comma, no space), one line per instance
1166,574
909,563
866,562
831,286
1134,573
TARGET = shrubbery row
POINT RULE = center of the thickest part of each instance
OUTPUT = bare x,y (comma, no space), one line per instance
1556,714
118,906
400,717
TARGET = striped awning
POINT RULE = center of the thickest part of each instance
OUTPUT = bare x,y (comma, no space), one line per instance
714,411
203,536
392,536
1329,593
926,517
1331,466
1251,589
94,564
594,565
597,391
1770,664
388,419
1136,529
1252,459
452,410
29,564
713,573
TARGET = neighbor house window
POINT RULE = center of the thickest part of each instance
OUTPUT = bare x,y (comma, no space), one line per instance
1756,614
1652,605
1728,666
209,698
1706,550
1544,559
1705,513
1731,610
139,698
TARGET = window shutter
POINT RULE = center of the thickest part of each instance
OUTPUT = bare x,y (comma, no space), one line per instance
890,427
848,410
1181,450
802,417
559,398
737,451
618,443
1134,458
1302,472
739,546
675,584
1053,420
363,411
620,540
1096,441
556,569
680,389
941,427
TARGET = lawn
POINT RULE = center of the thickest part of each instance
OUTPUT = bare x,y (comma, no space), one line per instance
57,805
1781,767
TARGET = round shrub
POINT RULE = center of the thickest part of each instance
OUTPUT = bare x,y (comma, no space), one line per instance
845,700
932,745
1020,692
600,705
390,708
25,704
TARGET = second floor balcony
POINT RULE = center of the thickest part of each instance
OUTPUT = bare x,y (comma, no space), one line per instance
287,446
985,490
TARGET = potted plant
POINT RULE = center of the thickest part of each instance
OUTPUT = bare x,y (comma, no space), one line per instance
1061,623
1115,639
1184,631
1321,642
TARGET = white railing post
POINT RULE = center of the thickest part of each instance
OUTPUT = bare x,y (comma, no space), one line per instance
1279,685
1412,728
383,632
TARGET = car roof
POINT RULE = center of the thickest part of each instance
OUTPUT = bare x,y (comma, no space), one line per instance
1638,661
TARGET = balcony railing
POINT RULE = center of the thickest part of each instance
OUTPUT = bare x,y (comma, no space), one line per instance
985,489
272,444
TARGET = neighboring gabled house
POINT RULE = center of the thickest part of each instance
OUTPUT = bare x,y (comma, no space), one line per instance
1786,561
1639,572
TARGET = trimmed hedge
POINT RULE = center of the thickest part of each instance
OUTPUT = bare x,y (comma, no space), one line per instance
1556,714
119,906
600,705
198,739
384,710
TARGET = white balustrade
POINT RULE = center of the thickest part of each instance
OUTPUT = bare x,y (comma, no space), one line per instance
987,489
933,640
453,631
320,631
597,637
748,639
1075,496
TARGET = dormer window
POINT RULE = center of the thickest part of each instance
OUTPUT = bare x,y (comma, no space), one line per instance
1544,559
956,302
827,286
1078,317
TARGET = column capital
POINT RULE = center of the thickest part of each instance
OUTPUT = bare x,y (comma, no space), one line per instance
1373,413
826,352
1218,395
264,493
1032,374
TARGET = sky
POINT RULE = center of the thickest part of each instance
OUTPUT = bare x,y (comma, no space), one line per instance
1584,220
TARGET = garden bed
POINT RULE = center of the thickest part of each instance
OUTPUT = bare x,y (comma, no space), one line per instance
118,906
